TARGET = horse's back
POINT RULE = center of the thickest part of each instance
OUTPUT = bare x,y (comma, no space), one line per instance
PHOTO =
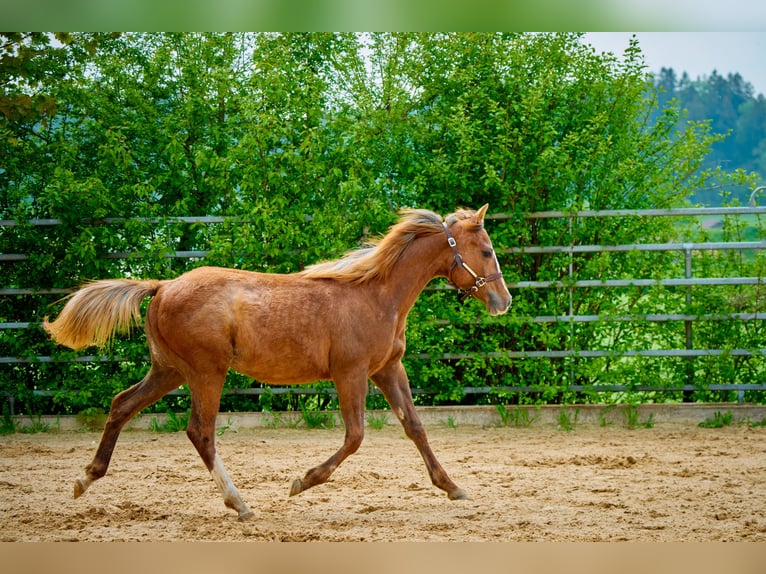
272,327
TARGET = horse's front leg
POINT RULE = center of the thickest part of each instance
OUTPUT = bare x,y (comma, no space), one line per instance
205,390
352,391
392,381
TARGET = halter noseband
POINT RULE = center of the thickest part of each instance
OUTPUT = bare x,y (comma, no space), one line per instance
457,261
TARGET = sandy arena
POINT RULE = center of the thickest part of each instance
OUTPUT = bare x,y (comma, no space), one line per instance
673,482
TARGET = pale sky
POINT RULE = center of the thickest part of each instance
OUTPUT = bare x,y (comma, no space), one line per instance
697,53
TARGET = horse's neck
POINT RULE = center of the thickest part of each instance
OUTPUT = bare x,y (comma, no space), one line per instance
421,262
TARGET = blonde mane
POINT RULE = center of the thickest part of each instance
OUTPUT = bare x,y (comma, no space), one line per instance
368,263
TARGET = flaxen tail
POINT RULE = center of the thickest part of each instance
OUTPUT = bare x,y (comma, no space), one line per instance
100,309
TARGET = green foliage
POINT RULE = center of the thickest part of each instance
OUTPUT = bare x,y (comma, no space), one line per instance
377,421
719,420
632,420
604,415
173,423
567,420
8,424
314,418
273,419
91,419
229,426
517,417
37,425
306,145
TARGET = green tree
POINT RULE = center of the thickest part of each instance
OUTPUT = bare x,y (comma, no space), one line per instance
308,144
732,110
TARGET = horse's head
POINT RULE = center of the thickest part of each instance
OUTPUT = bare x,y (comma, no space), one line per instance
474,268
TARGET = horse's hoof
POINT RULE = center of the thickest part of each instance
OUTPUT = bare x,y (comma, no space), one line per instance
79,487
458,494
297,487
245,516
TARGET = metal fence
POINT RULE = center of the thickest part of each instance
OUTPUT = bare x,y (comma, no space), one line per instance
688,249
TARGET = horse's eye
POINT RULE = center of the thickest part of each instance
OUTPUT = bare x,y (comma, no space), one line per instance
486,253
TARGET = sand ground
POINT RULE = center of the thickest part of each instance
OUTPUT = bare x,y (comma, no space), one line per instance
673,482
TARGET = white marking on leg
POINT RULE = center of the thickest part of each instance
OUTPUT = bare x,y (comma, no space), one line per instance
222,479
230,493
400,413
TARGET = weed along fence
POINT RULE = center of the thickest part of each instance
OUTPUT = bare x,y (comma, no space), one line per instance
600,320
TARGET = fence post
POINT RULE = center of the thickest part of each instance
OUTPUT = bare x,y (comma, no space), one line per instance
688,323
571,302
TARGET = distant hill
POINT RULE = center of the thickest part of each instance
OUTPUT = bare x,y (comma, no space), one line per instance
732,107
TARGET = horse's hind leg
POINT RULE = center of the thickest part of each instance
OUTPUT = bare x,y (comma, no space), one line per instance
206,398
155,385
392,380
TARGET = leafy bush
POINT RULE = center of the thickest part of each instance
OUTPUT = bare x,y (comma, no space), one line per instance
305,145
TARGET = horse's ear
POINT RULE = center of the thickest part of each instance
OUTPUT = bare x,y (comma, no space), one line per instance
479,217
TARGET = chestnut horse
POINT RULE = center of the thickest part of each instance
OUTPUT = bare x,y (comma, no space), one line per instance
342,320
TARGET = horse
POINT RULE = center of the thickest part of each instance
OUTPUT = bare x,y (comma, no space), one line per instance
341,320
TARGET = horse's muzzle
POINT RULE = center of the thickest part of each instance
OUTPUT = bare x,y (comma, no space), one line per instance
497,304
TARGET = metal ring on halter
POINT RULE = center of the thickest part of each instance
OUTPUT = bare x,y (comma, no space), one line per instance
457,261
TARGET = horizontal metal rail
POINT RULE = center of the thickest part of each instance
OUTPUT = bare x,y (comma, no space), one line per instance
45,222
670,212
650,317
28,291
553,354
206,219
740,388
705,246
303,390
698,281
120,255
531,250
586,353
78,359
18,325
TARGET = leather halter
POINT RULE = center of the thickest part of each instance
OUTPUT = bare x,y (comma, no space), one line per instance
457,261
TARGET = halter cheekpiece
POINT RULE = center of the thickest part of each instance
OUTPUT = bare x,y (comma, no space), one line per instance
457,261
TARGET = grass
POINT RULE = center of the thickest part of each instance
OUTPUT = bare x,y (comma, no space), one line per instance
719,420
316,419
272,420
631,417
8,424
174,423
377,421
37,425
517,417
567,420
603,419
220,431
91,419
